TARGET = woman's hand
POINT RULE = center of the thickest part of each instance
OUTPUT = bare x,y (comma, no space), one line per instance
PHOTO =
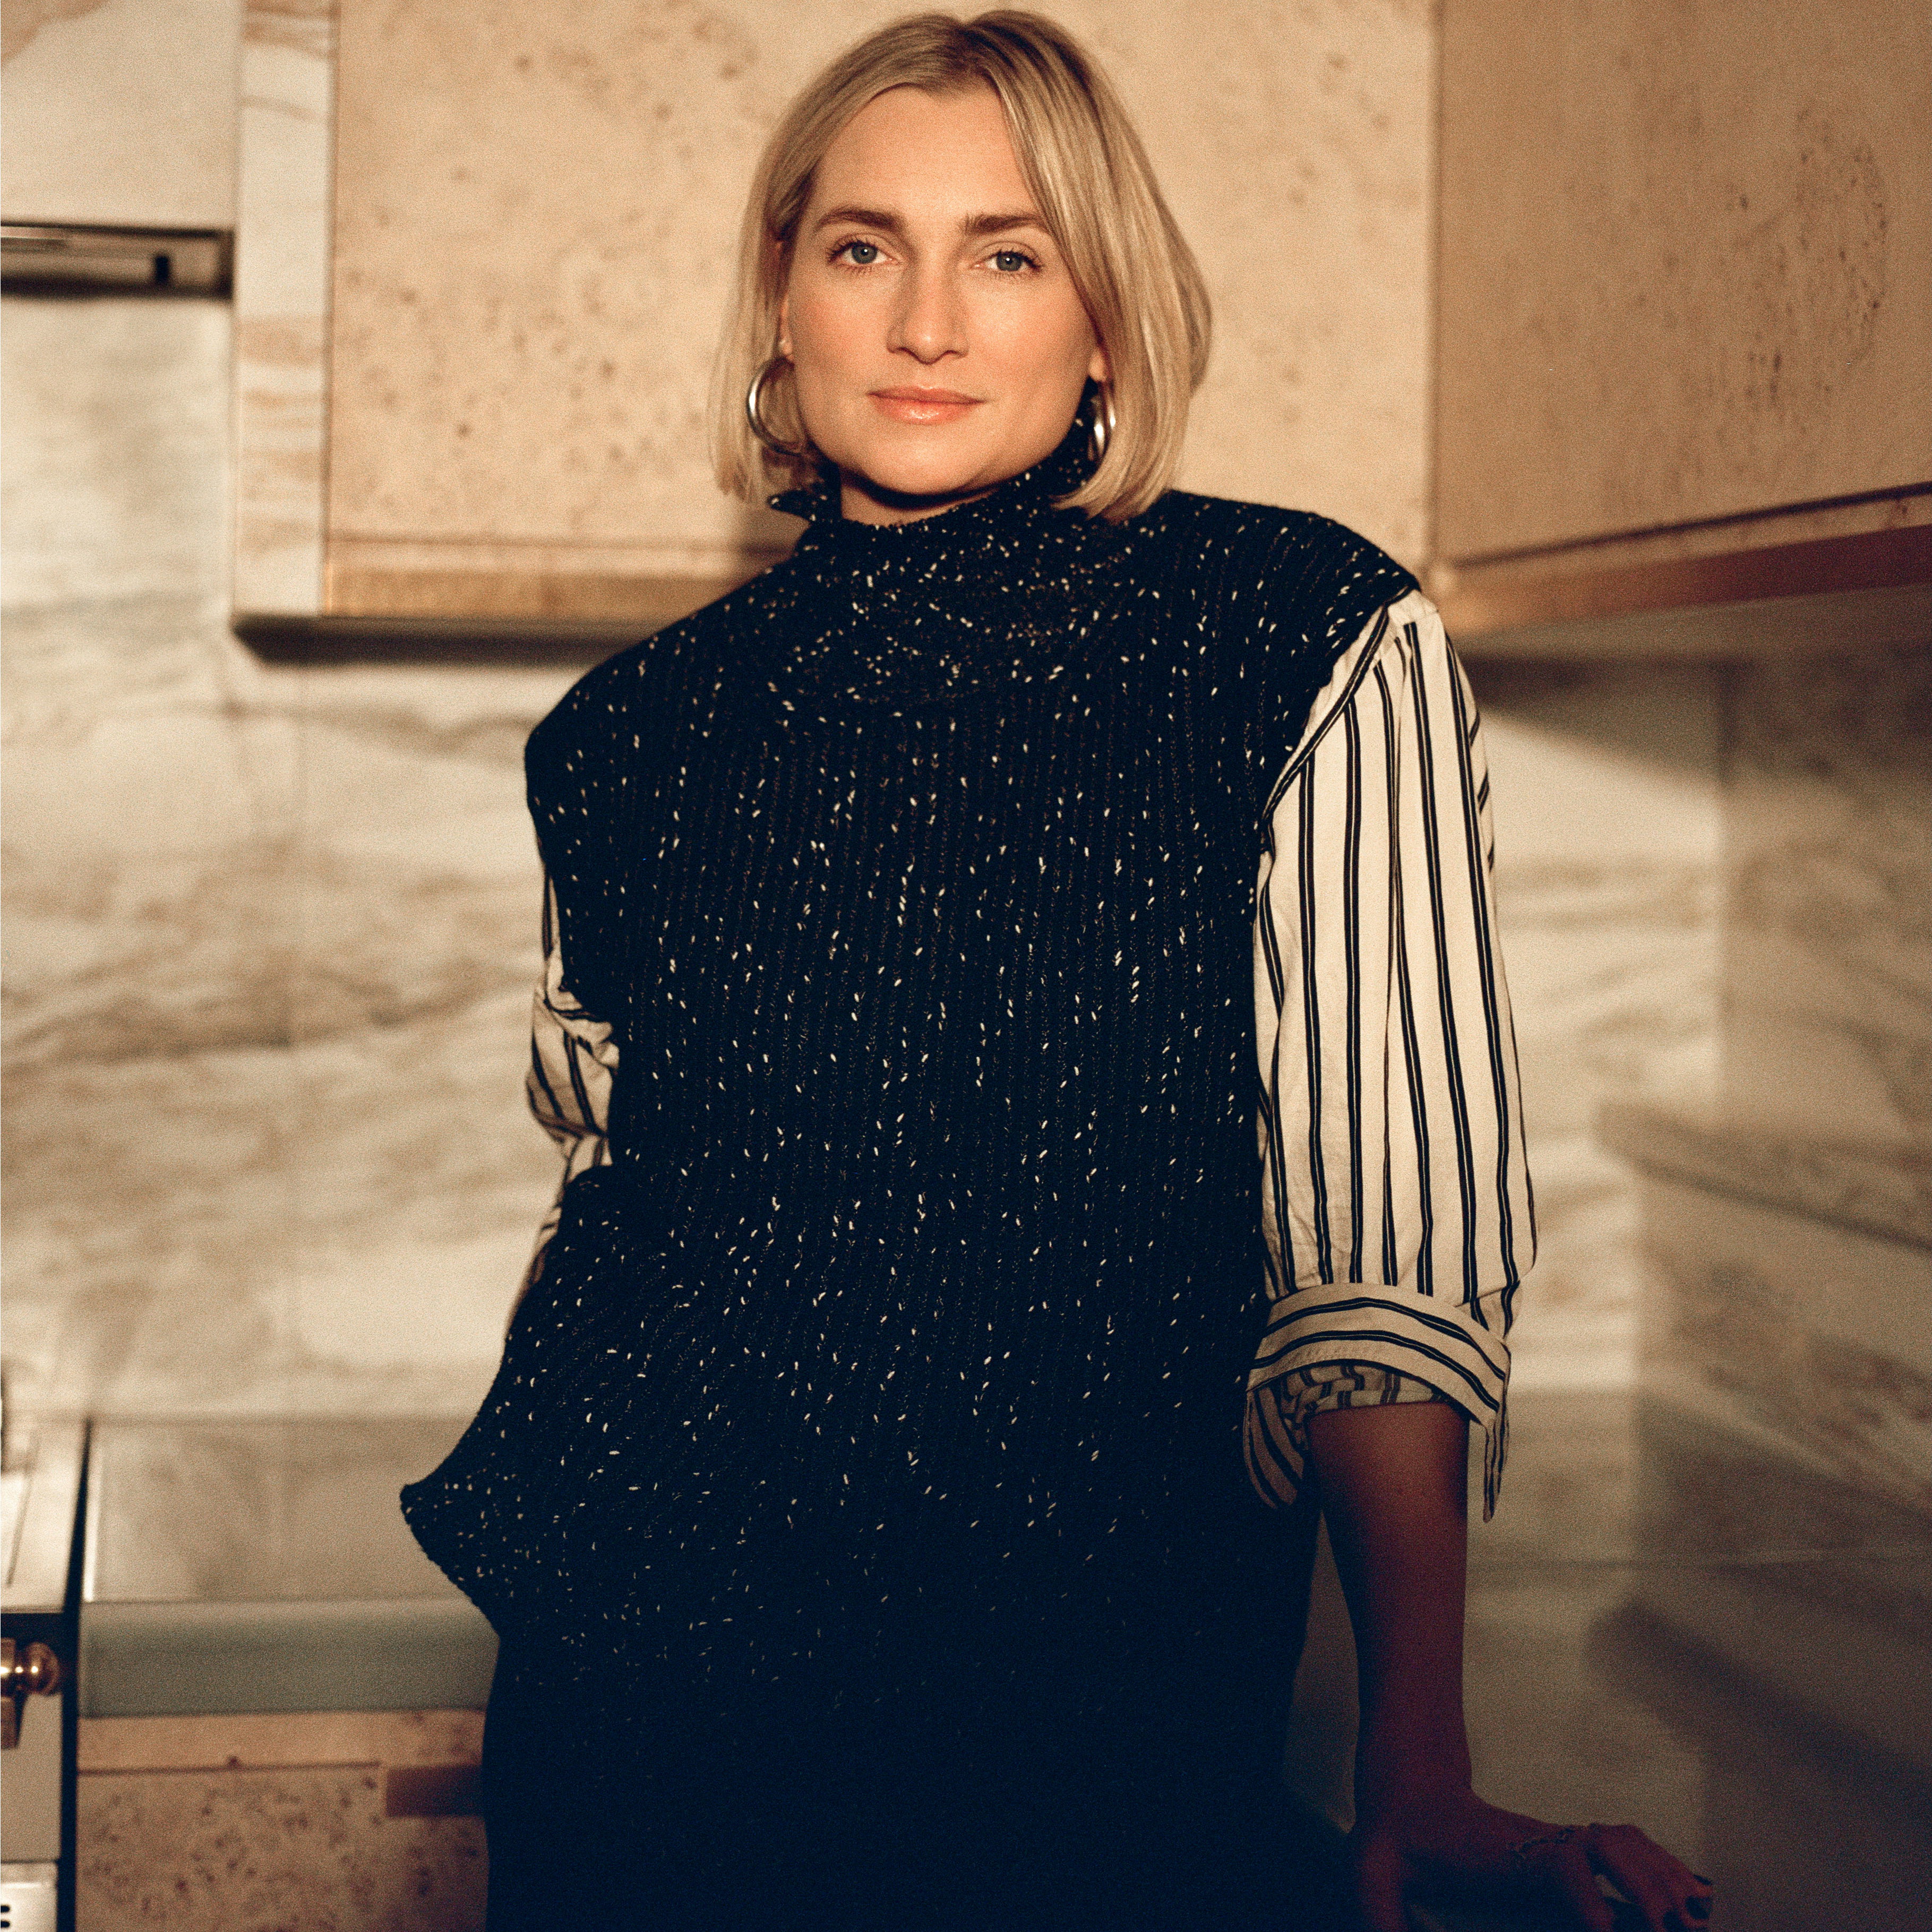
1452,1844
1392,1491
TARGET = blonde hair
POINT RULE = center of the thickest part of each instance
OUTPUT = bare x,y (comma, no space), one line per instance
1094,189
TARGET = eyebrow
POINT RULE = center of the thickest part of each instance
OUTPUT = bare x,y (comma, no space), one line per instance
974,224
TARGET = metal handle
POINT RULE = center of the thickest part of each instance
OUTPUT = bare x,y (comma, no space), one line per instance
29,1671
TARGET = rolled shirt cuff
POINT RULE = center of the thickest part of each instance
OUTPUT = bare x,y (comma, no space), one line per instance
1325,1339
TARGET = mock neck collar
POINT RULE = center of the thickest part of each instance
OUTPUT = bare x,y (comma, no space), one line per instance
1000,589
819,503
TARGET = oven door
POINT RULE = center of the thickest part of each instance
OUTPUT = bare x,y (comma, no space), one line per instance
40,1477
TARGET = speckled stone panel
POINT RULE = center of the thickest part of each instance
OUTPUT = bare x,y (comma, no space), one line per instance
276,1851
535,214
1686,262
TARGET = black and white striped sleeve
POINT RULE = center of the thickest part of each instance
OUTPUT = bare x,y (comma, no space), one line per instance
573,1059
1396,1203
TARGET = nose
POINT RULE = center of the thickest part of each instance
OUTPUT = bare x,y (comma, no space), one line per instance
927,322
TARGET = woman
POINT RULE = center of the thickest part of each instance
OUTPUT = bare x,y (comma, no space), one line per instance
860,1500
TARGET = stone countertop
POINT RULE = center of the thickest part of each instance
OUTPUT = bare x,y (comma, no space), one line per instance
265,1566
1672,1624
1878,1189
40,1491
1666,1624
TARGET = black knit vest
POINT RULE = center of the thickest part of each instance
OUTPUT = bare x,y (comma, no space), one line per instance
916,878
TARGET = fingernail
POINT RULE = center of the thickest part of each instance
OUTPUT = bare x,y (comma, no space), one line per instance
1698,1908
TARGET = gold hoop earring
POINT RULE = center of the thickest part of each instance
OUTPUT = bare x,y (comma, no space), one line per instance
1100,424
754,396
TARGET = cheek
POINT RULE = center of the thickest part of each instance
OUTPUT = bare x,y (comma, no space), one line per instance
1052,353
1053,337
823,332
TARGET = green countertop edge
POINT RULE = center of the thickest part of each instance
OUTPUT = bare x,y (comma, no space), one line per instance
205,1660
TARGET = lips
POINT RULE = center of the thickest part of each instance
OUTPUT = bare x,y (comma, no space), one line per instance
910,405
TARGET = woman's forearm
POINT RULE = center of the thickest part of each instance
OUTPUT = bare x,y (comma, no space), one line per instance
1393,1486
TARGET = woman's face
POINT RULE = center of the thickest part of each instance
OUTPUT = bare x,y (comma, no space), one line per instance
938,342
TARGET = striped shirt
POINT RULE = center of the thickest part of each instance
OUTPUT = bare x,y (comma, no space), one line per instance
1395,1203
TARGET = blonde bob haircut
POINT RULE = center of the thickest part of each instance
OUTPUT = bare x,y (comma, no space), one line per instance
1094,190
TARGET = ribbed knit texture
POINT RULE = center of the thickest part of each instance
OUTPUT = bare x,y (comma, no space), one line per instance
900,1350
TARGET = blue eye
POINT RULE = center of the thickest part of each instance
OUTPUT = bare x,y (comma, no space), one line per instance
863,254
1011,261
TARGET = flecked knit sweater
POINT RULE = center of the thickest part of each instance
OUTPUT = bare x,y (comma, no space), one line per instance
891,1357
915,879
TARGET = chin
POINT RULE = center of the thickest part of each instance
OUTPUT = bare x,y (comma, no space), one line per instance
929,484
933,472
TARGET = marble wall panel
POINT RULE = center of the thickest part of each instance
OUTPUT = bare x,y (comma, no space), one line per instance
293,1174
1607,809
115,478
285,155
270,932
119,111
150,814
1828,973
419,894
1803,1334
1786,1240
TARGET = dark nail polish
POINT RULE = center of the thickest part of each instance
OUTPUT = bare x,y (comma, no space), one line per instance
1698,1908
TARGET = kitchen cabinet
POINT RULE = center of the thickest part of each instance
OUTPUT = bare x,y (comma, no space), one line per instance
483,252
1684,311
1683,271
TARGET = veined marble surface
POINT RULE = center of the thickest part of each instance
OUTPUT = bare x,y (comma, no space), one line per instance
1880,1188
270,932
285,151
267,1147
1788,1235
1828,972
1607,810
1804,1333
